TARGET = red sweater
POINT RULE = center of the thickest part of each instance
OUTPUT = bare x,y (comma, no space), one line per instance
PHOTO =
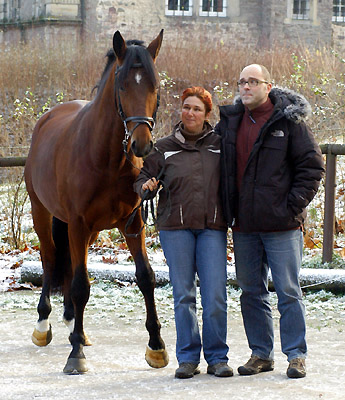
247,134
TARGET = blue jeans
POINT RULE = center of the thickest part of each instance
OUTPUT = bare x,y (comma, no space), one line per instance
203,252
255,253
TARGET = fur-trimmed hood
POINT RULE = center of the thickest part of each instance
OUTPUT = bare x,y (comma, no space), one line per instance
294,105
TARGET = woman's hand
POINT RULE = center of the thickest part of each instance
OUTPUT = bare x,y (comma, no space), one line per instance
151,184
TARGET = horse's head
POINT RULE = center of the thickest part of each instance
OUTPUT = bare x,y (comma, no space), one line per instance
137,90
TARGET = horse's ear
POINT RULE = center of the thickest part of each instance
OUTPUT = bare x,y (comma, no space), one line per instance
155,45
119,46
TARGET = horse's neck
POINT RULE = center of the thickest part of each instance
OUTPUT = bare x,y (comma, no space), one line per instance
107,134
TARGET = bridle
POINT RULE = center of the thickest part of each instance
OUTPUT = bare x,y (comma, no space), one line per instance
138,120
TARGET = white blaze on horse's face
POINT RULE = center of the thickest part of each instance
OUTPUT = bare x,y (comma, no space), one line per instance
137,78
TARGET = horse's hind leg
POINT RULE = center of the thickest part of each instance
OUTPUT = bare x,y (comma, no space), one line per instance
79,238
64,264
63,261
42,334
156,355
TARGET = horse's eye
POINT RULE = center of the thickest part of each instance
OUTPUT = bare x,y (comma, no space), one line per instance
122,88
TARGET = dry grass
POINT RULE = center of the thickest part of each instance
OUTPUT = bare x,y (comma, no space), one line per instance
34,73
36,76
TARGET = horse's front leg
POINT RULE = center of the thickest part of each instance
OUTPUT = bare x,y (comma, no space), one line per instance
156,355
80,292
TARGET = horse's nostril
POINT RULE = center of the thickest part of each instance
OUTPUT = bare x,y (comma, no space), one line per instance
141,151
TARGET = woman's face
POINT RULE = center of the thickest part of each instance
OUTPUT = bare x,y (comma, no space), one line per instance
193,114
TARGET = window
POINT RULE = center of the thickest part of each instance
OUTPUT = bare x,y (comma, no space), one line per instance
338,11
212,8
300,9
179,7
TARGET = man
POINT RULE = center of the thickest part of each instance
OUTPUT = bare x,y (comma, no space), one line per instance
271,169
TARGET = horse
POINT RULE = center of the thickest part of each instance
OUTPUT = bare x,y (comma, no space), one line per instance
83,160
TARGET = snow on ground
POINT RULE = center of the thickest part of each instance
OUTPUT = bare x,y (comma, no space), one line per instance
115,322
103,257
120,259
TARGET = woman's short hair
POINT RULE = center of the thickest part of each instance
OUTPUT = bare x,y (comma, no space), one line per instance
201,93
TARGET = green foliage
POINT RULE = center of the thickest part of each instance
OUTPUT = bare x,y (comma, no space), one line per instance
316,262
297,78
223,92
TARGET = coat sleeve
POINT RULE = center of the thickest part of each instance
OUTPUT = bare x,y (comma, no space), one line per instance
151,169
308,167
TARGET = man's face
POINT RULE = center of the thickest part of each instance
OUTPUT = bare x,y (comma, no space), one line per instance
253,96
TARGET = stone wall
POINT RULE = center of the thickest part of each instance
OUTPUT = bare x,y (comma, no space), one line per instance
339,38
256,23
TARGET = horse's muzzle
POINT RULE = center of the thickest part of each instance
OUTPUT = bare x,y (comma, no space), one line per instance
141,151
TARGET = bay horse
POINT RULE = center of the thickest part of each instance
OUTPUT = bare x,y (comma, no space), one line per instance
83,160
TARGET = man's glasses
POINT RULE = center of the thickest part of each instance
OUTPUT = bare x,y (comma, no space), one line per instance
252,82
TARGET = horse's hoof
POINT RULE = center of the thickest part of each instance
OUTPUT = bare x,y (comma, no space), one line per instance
156,358
75,366
42,338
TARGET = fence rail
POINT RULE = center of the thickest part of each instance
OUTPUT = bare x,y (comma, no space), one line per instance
331,151
12,161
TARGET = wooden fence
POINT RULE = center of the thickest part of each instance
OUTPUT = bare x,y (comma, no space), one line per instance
331,151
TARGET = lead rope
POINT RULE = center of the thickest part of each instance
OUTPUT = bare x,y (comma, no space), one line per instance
148,207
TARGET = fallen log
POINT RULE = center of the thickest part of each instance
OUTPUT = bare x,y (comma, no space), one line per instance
310,279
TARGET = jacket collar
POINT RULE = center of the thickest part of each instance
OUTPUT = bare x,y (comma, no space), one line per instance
293,105
178,134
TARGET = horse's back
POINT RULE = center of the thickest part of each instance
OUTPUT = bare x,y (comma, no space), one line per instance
57,119
51,134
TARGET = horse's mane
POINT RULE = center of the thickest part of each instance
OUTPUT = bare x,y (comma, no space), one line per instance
136,53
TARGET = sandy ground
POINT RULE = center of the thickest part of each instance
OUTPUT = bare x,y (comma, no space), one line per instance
117,369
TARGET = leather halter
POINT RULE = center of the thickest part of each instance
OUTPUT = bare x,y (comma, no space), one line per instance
149,121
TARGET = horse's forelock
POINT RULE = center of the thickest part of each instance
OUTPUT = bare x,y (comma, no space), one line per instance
138,54
135,42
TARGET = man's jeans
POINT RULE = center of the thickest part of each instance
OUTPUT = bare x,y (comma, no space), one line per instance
282,253
203,252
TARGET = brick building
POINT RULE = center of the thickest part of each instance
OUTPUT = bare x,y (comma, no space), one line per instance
253,22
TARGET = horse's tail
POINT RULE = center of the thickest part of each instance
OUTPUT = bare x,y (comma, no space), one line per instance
63,271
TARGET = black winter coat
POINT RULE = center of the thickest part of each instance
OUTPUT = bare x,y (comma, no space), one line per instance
283,171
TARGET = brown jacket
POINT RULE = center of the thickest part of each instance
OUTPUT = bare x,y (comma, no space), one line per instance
191,177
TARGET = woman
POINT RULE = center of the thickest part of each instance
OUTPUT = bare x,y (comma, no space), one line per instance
193,234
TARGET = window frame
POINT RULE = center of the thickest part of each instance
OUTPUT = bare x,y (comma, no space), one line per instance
179,12
338,18
301,17
213,13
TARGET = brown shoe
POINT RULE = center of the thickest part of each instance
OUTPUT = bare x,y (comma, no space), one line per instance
256,365
221,370
187,370
296,368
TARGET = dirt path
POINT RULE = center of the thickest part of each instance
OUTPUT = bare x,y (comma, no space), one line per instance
117,369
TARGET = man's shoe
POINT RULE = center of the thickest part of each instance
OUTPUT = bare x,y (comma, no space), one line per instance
221,369
187,370
256,365
296,368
